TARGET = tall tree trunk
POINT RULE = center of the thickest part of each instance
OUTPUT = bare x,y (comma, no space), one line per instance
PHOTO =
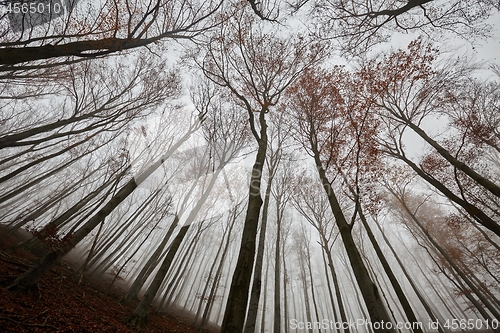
209,278
285,292
253,306
135,288
277,274
139,316
27,280
112,239
313,293
329,286
56,223
217,277
483,181
410,280
303,278
264,303
371,296
454,267
173,277
236,307
132,255
475,212
405,303
152,261
91,253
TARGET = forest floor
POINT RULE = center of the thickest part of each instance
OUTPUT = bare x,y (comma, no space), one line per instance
60,304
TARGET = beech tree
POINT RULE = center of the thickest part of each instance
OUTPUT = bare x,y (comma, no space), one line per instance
226,135
418,90
90,32
27,280
277,138
360,25
256,67
313,205
466,280
410,91
91,158
319,110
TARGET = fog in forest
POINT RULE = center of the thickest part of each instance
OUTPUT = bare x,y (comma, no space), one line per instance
273,166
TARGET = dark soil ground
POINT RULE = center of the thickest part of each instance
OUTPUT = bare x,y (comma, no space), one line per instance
61,305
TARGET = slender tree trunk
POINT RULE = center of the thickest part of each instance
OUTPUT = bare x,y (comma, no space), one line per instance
42,209
285,292
139,316
483,181
329,285
264,303
91,253
335,280
277,275
410,280
369,290
132,255
85,48
253,307
236,307
475,212
113,238
303,278
27,280
454,267
211,275
313,293
405,303
217,277
175,277
150,265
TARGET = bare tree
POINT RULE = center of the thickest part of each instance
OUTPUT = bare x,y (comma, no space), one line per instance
115,26
359,25
256,67
320,118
